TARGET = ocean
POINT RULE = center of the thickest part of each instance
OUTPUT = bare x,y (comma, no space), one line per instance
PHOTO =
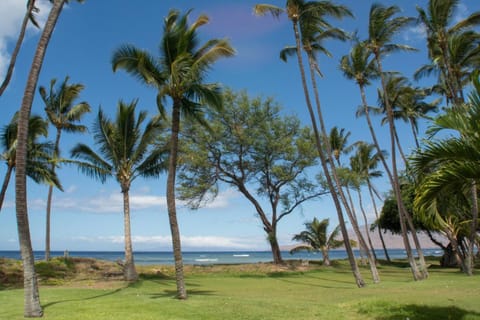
213,257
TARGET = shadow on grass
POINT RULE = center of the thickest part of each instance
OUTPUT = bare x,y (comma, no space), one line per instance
173,293
419,312
47,305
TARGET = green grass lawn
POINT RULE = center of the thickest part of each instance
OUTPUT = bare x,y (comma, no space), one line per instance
234,293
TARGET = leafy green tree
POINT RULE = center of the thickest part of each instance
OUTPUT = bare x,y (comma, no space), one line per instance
315,238
382,27
254,149
126,151
64,114
32,306
308,20
179,73
39,153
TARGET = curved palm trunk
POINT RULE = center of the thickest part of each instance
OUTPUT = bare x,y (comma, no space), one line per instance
32,307
367,230
129,271
361,242
402,212
49,199
351,258
18,45
172,209
400,149
6,180
414,131
405,239
370,191
348,208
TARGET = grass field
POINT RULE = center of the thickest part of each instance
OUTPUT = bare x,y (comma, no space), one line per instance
258,291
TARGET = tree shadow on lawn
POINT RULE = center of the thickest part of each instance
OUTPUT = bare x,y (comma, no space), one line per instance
190,292
47,305
422,312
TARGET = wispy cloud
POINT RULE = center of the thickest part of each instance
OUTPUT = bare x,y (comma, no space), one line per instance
188,242
10,23
113,202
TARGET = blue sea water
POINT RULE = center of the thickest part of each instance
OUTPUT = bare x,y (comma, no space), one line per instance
212,257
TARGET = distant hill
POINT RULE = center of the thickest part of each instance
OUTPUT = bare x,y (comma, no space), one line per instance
392,241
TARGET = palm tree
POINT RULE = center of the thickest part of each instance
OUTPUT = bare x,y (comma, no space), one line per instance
179,74
310,17
64,115
382,27
438,20
315,238
449,167
339,143
31,9
125,152
32,307
39,153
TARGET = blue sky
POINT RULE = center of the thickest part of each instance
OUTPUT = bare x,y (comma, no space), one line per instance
88,215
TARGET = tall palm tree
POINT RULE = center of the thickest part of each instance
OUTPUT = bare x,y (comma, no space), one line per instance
359,66
29,16
126,151
315,238
32,307
64,114
178,73
39,153
439,22
383,26
311,15
366,163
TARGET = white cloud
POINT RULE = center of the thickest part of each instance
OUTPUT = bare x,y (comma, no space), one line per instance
188,242
10,26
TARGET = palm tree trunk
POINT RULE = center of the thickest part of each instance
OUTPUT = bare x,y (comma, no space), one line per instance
400,149
348,208
390,176
49,198
414,131
32,307
172,209
367,230
18,45
6,180
326,257
129,272
473,231
370,191
402,212
348,247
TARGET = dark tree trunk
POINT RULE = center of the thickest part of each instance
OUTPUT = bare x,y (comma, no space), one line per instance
172,209
32,306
